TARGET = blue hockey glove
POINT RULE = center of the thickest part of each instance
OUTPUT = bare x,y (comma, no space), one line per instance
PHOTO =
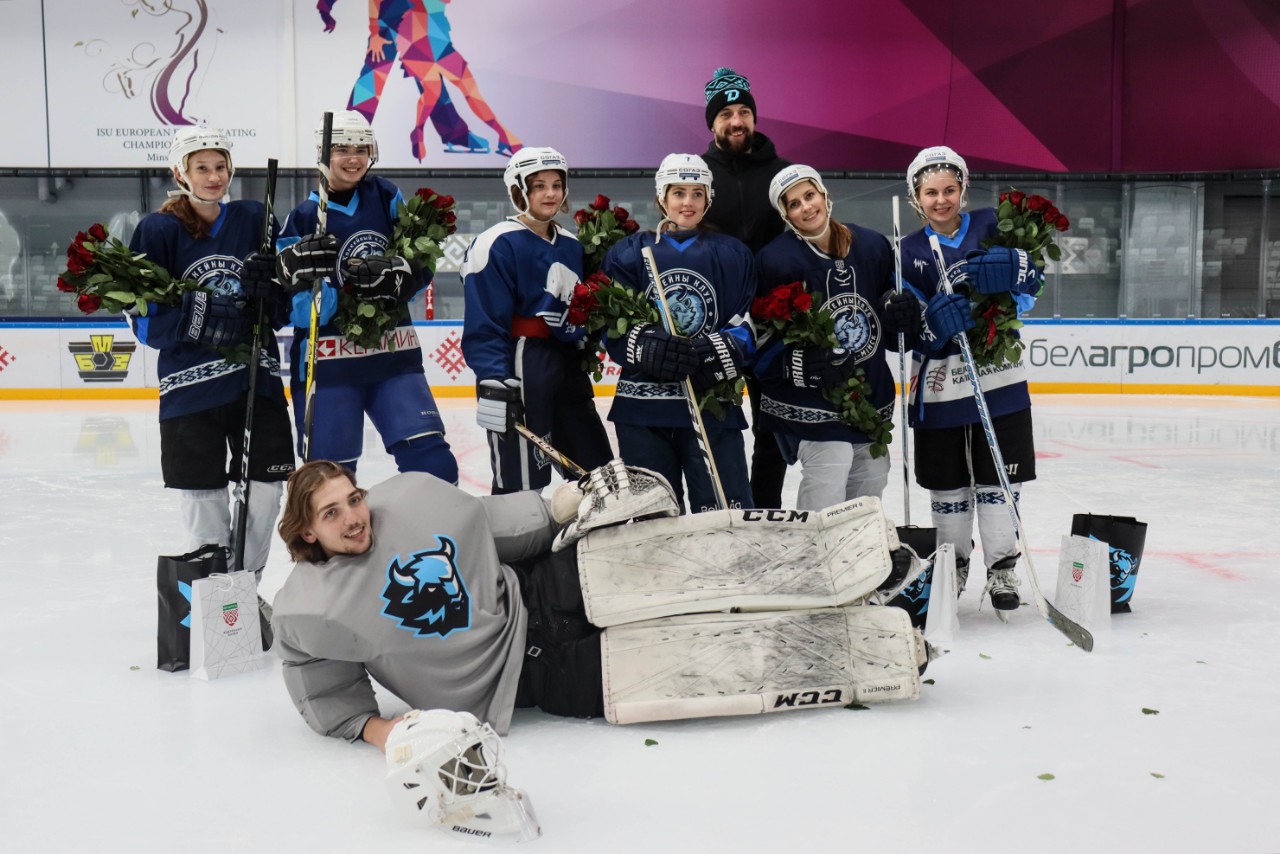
498,405
1001,270
214,320
901,314
659,354
946,316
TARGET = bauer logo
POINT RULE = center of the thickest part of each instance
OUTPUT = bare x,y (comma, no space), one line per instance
102,359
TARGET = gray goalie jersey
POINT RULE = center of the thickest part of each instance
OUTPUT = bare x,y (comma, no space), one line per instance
431,611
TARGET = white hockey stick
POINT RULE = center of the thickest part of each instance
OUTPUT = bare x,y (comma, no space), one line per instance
902,371
704,443
567,466
1077,633
317,288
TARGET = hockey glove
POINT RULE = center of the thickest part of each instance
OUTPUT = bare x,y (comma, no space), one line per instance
258,276
946,316
498,405
818,367
309,259
657,353
379,278
719,359
1000,270
214,320
613,494
901,314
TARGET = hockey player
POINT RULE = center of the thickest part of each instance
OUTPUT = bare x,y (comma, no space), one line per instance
848,270
518,277
386,382
453,601
199,235
709,281
952,459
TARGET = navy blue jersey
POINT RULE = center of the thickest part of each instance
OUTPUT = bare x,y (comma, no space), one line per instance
363,227
195,378
941,392
709,280
852,289
511,273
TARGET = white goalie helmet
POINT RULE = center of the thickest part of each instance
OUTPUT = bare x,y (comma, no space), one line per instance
349,128
931,160
789,177
185,142
682,169
528,162
445,768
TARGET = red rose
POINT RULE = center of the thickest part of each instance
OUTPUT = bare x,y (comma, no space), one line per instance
76,265
89,303
631,226
802,303
1061,223
425,193
1037,203
600,204
97,232
760,308
581,216
448,217
596,281
1015,198
853,394
444,202
1004,197
65,286
621,214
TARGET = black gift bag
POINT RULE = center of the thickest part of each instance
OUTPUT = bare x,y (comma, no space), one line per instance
174,575
1125,537
914,599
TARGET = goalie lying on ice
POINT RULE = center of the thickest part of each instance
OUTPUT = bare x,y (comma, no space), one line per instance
459,602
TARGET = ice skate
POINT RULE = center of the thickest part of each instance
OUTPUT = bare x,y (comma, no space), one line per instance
475,145
1002,585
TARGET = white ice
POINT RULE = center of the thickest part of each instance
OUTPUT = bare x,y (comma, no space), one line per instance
106,753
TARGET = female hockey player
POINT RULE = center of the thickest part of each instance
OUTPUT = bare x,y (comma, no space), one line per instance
197,235
387,382
848,270
952,458
709,280
517,278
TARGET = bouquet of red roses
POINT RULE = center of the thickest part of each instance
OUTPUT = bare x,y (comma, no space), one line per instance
599,227
423,221
788,311
104,274
1029,223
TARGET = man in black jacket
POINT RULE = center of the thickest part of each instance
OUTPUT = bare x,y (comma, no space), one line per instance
743,162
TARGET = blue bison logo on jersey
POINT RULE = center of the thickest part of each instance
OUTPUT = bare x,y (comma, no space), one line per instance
426,593
1123,567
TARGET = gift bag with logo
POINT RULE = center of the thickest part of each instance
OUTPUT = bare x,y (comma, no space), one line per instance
226,636
914,597
174,576
941,619
1125,537
1084,585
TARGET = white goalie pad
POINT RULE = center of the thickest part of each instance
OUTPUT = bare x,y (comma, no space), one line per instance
744,664
750,560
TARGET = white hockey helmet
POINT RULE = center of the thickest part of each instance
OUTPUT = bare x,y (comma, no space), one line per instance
445,768
682,169
186,141
789,177
931,160
349,128
528,162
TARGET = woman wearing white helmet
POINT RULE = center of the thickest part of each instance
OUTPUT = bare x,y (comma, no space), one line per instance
952,459
517,279
385,381
709,280
848,271
199,235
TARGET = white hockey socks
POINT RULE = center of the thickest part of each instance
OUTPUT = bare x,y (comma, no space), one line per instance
206,517
264,507
952,511
995,524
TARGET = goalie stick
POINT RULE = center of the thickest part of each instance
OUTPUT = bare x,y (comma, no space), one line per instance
1077,633
695,414
241,491
317,287
568,467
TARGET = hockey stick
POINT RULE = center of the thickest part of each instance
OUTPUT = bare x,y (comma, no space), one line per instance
241,491
902,371
1077,633
567,466
704,443
317,288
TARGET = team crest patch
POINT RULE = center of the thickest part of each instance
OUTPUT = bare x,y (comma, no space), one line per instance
220,274
360,245
425,593
857,328
691,299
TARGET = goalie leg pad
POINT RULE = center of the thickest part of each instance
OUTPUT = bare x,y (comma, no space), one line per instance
751,560
738,664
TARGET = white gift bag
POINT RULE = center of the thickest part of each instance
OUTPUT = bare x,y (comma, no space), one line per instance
941,621
226,636
1084,585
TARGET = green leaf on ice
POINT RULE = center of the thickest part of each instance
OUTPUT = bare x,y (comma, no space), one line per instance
1147,711
983,655
927,682
1046,777
649,742
1157,775
856,707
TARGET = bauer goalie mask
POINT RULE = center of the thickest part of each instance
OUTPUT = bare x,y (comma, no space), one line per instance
445,768
931,161
349,128
185,142
526,163
792,176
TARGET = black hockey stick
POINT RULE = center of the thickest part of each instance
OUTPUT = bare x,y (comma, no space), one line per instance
317,287
1077,633
241,491
568,468
695,414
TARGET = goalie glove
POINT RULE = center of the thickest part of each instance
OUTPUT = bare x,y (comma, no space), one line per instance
498,405
657,353
616,493
311,258
381,278
719,359
1000,270
818,367
214,320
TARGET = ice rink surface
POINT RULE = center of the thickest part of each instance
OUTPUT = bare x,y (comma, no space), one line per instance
106,753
